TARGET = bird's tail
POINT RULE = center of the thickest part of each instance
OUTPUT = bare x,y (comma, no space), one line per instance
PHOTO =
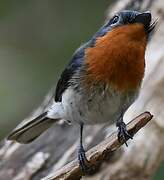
27,132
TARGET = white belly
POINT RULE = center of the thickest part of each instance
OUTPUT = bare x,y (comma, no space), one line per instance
97,108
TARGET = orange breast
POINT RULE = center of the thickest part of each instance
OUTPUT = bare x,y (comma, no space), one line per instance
117,58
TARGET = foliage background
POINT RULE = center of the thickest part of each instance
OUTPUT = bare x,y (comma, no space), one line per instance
37,39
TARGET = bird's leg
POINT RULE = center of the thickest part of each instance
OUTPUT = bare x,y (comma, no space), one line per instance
83,162
122,131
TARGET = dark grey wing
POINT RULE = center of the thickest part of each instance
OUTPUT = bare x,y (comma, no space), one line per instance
72,67
76,62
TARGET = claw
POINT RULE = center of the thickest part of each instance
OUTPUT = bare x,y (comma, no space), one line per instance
85,165
83,162
123,133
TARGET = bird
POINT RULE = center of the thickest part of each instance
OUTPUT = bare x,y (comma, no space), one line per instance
100,82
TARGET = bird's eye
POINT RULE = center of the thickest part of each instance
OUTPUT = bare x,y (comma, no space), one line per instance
114,19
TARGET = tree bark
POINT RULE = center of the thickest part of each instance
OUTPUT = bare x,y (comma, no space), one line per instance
100,153
57,146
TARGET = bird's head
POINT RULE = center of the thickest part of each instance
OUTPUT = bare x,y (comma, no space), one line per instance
134,20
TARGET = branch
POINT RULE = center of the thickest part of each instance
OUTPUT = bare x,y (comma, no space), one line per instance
101,152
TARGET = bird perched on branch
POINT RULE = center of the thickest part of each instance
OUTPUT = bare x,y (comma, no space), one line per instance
101,81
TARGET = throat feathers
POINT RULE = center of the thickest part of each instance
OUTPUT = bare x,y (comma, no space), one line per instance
118,58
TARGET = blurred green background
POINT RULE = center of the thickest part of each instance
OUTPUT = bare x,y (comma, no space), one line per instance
37,39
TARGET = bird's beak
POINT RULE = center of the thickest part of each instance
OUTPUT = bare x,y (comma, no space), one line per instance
144,18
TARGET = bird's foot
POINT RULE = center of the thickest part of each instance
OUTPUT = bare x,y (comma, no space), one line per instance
123,134
85,165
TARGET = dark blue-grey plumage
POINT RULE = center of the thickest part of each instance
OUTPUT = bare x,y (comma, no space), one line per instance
69,71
